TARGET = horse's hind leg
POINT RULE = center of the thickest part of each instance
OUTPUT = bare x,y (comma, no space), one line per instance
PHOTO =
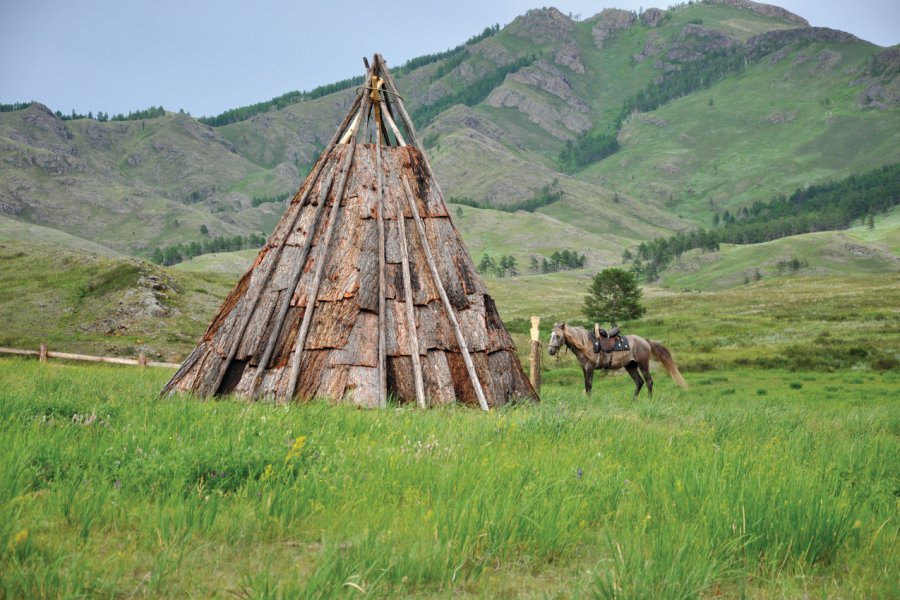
645,371
588,381
638,382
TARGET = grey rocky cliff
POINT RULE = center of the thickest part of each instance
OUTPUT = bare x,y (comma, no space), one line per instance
543,26
608,22
545,76
652,17
568,55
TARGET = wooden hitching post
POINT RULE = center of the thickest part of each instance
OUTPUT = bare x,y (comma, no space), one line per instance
536,354
42,357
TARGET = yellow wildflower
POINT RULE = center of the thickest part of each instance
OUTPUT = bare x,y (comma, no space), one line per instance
296,450
267,473
21,537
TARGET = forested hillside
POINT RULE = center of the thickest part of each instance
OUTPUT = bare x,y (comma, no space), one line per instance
617,129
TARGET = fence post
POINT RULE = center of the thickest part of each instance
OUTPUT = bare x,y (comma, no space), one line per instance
536,354
142,359
42,356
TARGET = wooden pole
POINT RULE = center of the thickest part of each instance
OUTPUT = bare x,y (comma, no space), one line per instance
320,268
289,290
535,375
386,115
142,359
392,88
86,357
267,274
379,214
346,137
429,258
412,330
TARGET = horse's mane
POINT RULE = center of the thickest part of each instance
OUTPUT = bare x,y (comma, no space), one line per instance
580,337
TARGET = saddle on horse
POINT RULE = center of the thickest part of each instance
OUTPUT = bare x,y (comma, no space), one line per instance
609,341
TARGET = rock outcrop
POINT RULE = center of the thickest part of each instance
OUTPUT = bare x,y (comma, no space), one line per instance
696,41
568,55
773,41
608,22
652,17
542,26
563,123
545,76
881,81
766,10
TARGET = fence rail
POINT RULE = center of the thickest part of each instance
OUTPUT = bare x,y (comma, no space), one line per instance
43,354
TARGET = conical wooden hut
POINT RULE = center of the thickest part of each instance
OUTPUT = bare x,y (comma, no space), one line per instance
364,290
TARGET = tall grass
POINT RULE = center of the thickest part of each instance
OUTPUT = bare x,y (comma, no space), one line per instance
106,490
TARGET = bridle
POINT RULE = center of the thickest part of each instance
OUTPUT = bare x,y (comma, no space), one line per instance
556,341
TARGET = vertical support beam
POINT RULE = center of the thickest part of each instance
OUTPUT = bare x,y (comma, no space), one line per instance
432,266
535,374
273,262
379,215
320,268
412,330
42,353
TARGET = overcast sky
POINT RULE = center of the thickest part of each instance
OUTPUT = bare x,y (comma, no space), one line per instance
209,56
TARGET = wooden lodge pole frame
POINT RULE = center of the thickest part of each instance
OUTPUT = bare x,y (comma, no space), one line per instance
392,126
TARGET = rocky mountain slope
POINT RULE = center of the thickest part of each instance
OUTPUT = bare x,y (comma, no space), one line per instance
774,104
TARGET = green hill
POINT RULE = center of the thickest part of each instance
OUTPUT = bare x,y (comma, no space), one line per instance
748,102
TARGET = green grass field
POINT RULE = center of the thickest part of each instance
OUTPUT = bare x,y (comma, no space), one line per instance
750,484
773,476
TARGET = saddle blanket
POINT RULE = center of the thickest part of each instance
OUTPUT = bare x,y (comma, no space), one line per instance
621,345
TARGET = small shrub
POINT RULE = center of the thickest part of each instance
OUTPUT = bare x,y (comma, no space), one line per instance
885,363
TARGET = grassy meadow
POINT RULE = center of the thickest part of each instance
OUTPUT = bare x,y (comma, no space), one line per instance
749,484
773,476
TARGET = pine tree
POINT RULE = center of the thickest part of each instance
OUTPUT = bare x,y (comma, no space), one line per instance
613,295
487,265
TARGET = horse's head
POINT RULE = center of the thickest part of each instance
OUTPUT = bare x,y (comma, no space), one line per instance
557,337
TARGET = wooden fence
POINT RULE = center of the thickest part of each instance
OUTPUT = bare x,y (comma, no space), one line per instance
44,354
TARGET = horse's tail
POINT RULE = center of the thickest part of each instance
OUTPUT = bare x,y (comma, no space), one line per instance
661,354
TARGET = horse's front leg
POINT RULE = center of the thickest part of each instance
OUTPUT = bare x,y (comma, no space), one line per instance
588,380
